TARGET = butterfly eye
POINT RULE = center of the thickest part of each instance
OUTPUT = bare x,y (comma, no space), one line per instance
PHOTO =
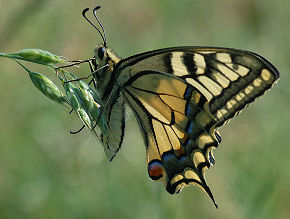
101,52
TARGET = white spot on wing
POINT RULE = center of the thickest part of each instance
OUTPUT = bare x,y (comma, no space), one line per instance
227,72
249,89
212,86
224,57
257,82
240,96
179,69
200,63
241,70
232,102
198,86
219,114
266,75
222,80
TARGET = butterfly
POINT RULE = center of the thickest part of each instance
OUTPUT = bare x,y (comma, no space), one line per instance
180,96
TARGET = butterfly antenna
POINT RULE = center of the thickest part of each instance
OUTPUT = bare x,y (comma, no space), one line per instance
104,33
84,15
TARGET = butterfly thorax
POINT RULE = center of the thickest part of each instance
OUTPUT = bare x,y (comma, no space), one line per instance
106,60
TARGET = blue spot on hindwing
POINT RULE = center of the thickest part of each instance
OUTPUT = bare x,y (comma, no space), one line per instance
190,128
188,109
182,158
189,143
187,93
155,163
168,157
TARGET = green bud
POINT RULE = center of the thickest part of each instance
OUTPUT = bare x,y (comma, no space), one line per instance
47,87
93,103
79,102
72,97
36,55
87,102
92,92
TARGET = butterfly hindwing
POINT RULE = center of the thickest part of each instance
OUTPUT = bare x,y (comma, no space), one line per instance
176,123
112,141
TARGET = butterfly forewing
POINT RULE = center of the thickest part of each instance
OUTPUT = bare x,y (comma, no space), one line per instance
228,78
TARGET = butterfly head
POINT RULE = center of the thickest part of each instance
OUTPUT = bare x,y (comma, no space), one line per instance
100,52
101,55
104,62
105,58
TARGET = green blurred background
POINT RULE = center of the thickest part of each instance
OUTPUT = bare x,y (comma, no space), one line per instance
46,172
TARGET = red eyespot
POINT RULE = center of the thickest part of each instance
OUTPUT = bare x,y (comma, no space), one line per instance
155,170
